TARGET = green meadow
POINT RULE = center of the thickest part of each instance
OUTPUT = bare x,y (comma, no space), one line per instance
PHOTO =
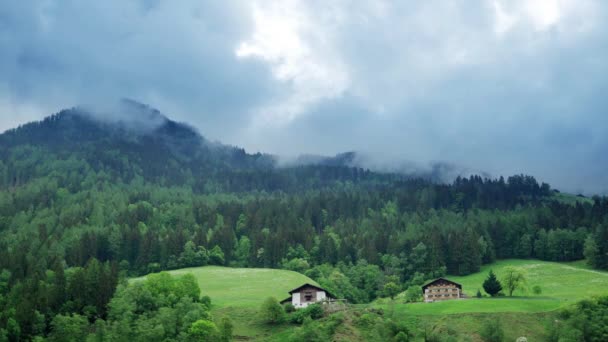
239,292
243,287
561,284
524,314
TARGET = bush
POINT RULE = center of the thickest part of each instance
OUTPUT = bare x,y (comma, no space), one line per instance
334,322
367,320
226,327
478,295
272,311
537,290
289,308
491,331
402,337
204,330
397,331
391,290
413,294
313,311
206,300
296,264
309,332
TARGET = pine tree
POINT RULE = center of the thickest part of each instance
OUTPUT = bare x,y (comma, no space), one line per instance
491,285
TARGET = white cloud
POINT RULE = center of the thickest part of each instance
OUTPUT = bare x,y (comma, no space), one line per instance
300,56
543,15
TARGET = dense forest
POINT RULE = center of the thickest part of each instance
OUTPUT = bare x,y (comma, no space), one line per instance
84,204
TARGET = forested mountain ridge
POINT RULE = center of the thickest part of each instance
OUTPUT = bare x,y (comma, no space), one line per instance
85,202
145,143
140,142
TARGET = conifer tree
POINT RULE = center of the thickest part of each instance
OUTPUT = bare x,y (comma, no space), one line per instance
491,285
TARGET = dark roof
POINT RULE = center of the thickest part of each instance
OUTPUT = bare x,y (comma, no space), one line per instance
286,300
440,279
310,285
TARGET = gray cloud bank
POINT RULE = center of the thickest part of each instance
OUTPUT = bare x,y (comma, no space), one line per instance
505,86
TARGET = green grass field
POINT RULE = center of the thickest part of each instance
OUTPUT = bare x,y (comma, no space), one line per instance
571,199
561,284
239,292
525,314
243,287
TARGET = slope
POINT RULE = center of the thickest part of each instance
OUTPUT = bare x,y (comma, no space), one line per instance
239,292
561,283
243,287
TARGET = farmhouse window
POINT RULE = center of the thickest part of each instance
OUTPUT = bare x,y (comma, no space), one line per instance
308,296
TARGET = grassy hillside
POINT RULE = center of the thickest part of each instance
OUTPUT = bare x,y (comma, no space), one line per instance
243,287
571,199
525,314
239,292
561,284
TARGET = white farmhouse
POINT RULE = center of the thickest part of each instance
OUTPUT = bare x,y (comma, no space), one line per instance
307,294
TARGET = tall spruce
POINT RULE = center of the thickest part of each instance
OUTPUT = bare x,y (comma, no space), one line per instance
491,285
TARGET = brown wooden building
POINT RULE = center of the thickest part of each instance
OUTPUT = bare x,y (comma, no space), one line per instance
441,289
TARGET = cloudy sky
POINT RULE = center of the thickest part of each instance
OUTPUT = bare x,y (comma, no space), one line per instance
504,86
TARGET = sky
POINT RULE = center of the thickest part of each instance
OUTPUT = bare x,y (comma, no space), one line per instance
503,86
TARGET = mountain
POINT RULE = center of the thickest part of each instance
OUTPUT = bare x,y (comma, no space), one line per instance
91,195
124,140
129,139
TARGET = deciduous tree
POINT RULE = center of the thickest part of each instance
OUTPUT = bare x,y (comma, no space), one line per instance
513,279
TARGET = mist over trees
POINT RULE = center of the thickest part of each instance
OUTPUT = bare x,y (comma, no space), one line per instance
84,204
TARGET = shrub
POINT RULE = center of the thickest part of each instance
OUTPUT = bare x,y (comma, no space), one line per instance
206,300
413,294
491,331
296,264
367,320
391,289
334,321
272,311
537,290
397,331
308,332
289,308
226,327
204,330
402,337
313,311
478,295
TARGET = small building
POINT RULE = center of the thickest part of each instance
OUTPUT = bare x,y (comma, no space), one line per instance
307,294
441,289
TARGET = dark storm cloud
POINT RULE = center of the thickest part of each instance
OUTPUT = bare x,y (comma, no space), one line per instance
174,55
500,86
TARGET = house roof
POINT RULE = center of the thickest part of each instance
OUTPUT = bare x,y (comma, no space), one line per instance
297,289
438,280
286,300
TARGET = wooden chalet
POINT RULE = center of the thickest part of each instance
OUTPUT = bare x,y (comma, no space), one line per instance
441,289
308,294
